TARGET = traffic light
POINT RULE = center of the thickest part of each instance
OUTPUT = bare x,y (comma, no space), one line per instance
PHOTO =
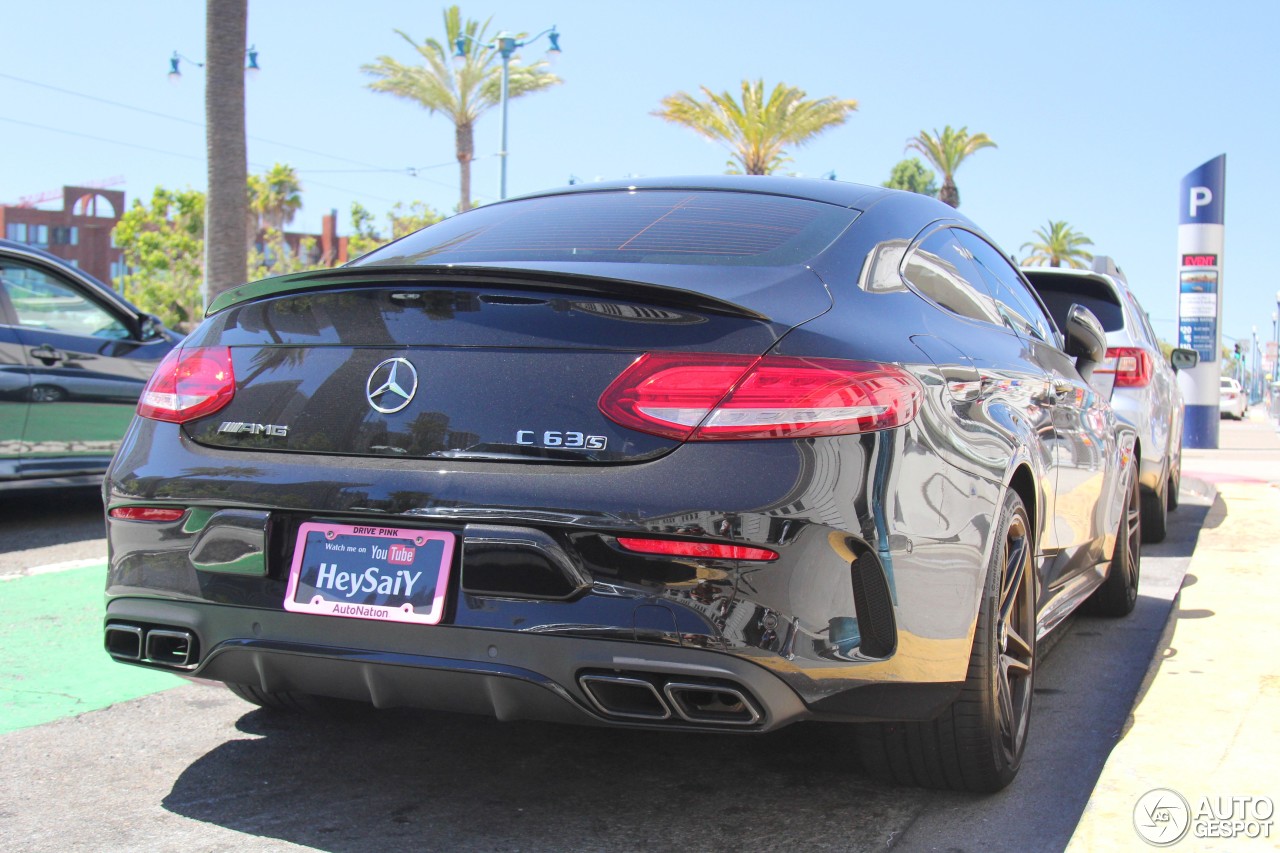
1239,355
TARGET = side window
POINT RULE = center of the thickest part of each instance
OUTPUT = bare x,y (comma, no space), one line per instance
942,269
41,301
1013,298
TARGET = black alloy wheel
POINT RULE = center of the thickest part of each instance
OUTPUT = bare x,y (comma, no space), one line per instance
1119,592
1015,638
977,743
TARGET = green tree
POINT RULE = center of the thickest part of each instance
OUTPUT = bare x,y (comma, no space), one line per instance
946,151
163,247
912,176
462,92
226,23
401,220
757,128
1056,245
273,255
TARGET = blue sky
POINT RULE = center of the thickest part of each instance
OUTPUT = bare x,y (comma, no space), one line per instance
1098,108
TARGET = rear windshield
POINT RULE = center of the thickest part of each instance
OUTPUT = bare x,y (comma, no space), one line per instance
632,226
1060,293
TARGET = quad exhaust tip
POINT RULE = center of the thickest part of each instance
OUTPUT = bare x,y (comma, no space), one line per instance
173,648
706,703
636,697
620,696
124,642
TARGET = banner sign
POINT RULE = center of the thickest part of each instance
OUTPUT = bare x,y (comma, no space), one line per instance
1198,313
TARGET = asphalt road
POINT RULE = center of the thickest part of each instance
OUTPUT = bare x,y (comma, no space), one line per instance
195,769
43,527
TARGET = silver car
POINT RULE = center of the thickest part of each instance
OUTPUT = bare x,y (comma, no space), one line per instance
1140,383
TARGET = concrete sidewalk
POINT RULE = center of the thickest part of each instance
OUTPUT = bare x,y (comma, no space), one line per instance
1200,760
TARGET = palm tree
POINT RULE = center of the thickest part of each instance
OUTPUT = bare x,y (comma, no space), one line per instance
227,207
757,128
275,196
1058,244
946,151
463,92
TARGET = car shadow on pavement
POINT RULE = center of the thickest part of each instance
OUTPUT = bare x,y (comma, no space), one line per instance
409,780
41,517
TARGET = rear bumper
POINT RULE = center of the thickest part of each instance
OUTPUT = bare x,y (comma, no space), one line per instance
867,614
504,675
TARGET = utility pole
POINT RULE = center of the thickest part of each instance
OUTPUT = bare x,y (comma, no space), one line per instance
227,203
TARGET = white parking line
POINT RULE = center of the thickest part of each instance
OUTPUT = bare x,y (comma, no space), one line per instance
53,568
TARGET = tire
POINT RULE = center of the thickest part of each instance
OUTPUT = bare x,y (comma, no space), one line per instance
46,394
1155,515
976,744
1175,482
293,702
1119,592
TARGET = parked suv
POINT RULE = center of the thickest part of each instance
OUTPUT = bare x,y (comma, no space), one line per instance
74,356
1140,383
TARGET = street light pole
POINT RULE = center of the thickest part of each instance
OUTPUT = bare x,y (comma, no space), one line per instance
1275,361
1256,391
506,45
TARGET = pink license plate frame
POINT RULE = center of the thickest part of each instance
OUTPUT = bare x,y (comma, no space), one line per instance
370,572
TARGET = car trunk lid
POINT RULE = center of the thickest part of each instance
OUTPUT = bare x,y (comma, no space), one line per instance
477,363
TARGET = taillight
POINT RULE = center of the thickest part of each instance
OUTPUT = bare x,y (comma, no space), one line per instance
1133,366
146,513
705,550
710,397
190,383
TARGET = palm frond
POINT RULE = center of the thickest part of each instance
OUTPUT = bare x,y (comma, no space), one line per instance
756,126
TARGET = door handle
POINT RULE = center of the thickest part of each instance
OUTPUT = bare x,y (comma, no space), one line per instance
48,354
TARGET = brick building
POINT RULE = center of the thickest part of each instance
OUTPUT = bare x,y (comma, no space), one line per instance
80,232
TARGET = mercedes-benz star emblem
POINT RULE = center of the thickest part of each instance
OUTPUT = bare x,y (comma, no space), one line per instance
391,385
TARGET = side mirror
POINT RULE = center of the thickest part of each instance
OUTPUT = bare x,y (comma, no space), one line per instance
1086,339
1184,359
149,327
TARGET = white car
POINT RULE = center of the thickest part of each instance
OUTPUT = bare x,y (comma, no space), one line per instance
1232,401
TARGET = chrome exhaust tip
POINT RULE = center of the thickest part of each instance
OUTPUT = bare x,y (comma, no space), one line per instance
712,703
170,647
621,696
123,642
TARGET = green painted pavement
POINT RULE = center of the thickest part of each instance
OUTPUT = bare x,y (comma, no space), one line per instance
52,664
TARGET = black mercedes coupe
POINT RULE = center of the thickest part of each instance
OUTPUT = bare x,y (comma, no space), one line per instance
702,454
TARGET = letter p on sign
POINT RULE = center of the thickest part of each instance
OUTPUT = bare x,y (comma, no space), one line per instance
1200,196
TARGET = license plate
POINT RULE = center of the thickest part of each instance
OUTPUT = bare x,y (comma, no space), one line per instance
388,574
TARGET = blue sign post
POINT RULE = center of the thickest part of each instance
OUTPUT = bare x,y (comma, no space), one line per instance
1200,243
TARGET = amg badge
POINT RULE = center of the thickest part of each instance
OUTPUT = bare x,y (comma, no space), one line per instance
241,428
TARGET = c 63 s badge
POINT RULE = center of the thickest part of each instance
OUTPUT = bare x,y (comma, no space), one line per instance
242,428
561,438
